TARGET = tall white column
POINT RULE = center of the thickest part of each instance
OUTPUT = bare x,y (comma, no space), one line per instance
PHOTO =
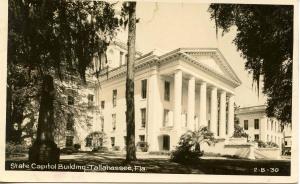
222,115
213,111
177,109
154,108
177,99
202,113
230,115
191,103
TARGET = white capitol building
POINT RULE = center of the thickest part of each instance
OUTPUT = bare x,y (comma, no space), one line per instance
174,92
180,90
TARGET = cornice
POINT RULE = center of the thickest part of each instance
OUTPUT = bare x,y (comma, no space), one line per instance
124,46
140,64
149,60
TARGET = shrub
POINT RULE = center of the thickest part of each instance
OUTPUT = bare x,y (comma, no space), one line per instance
143,146
272,145
188,148
232,156
100,149
116,148
15,149
261,144
77,146
159,153
239,132
68,150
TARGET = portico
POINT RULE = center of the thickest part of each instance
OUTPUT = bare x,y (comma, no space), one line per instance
220,124
201,95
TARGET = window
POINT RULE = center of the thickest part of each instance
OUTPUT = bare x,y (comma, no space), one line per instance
121,57
142,138
113,121
246,124
69,141
88,142
70,100
90,100
285,143
143,117
102,104
112,140
115,98
144,89
70,122
256,137
167,91
256,123
102,124
166,117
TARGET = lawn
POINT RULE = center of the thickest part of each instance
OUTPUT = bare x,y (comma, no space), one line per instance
112,162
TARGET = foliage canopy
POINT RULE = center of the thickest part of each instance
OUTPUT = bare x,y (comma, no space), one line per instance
265,39
58,38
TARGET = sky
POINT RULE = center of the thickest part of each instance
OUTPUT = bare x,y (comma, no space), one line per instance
168,26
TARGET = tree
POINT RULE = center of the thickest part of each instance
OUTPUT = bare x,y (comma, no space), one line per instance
188,148
129,8
265,39
53,38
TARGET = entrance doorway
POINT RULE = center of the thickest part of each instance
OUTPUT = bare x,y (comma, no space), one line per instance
166,142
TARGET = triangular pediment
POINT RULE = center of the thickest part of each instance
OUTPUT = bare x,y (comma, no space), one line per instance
213,60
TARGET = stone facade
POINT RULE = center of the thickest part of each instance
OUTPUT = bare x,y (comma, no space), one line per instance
258,126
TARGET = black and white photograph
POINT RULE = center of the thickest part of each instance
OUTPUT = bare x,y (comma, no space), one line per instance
189,88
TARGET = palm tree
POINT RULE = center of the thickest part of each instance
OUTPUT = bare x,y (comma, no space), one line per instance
189,144
200,136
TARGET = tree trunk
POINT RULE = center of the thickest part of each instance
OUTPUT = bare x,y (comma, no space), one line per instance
44,149
197,147
17,120
9,126
14,118
46,113
130,114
